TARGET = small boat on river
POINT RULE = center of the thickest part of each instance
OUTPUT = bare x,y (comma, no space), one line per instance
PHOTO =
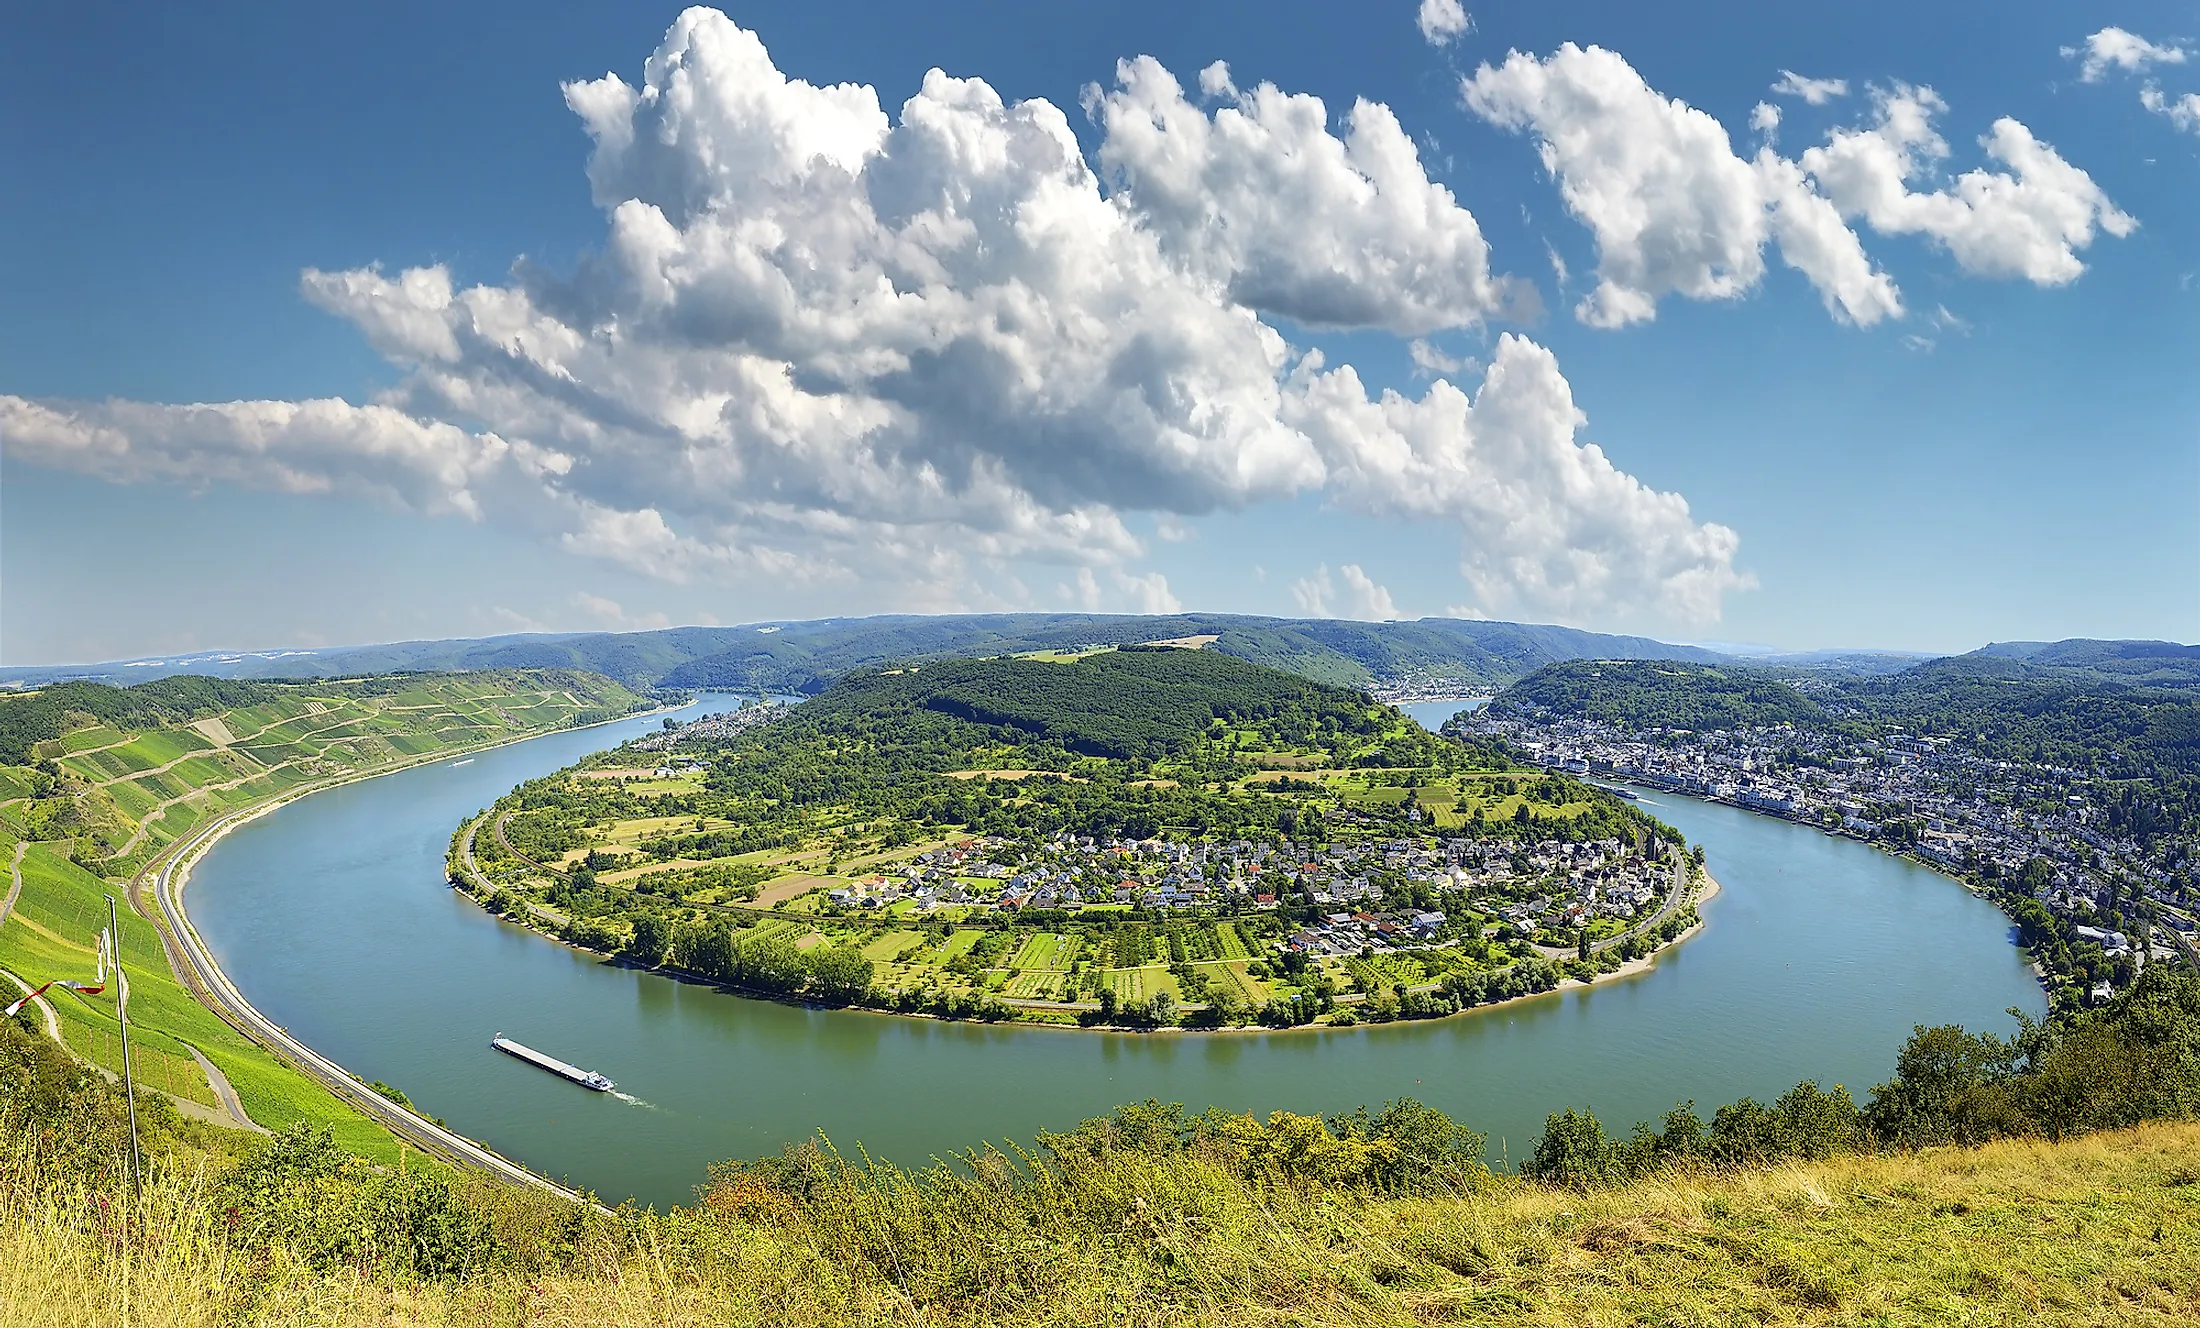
585,1078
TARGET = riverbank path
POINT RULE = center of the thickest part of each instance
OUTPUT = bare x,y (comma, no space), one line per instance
482,885
196,966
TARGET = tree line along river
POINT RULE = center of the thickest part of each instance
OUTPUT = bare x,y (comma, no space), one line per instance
333,917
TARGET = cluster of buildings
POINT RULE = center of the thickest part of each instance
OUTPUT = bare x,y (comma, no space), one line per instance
716,727
1386,894
1927,796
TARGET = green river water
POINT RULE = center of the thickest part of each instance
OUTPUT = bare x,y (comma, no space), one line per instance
333,917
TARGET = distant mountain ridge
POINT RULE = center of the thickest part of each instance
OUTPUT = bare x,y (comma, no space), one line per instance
1430,656
807,656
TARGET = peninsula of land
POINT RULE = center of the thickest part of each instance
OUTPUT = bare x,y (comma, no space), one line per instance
1147,837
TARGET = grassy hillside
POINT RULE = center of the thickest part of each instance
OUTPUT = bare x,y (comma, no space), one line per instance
118,773
110,777
2099,1231
52,932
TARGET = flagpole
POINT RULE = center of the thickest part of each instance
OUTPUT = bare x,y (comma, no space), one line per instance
122,1017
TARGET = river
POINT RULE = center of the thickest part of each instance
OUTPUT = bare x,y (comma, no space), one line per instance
333,917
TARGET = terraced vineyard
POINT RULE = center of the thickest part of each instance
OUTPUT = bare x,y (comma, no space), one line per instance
117,774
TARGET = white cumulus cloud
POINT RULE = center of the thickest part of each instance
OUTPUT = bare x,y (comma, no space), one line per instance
905,354
2183,110
2126,52
612,615
1366,598
1291,219
1442,22
1675,211
1815,91
289,446
1148,593
1673,208
1430,360
1550,522
2028,221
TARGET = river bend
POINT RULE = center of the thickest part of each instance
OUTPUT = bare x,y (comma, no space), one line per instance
332,915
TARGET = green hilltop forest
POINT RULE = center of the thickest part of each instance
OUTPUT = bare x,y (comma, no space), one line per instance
1638,694
2001,707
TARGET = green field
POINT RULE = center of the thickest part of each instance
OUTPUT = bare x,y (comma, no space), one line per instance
53,932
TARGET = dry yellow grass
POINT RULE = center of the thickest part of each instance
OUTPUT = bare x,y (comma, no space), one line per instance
2100,1231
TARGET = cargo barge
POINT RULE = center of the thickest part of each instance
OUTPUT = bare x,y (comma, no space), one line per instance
585,1078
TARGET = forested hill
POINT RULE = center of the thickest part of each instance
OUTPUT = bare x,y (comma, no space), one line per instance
1639,694
2013,712
2140,663
2000,707
806,657
1129,703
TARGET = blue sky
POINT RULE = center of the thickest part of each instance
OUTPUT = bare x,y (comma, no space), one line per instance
1931,413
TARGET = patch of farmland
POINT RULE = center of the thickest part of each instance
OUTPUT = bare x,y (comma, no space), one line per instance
1042,986
959,944
1037,951
890,947
99,735
1227,978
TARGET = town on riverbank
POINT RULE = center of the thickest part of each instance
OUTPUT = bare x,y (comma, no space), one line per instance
2074,840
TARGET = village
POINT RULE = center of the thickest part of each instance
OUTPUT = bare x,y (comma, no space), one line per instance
1391,895
1924,796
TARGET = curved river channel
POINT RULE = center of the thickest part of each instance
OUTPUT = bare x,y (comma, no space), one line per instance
333,917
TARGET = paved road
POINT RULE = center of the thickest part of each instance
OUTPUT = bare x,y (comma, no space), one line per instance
482,882
196,965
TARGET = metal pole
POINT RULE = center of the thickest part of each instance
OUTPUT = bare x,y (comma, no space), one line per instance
122,1017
